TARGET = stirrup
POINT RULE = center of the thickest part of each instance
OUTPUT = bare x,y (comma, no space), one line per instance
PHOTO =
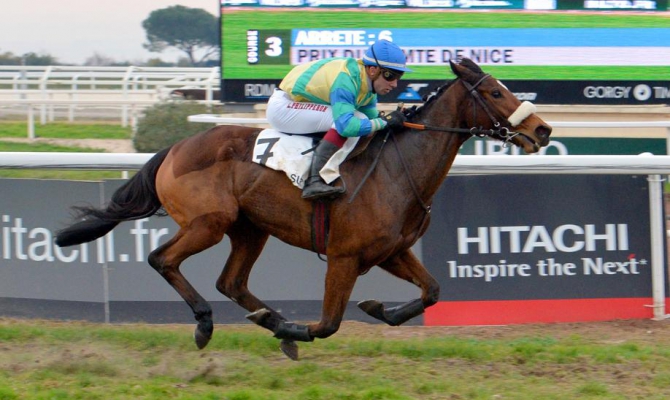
319,190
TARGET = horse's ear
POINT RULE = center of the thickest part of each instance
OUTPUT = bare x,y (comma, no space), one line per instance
462,71
454,67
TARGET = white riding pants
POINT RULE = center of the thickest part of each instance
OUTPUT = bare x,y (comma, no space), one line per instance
288,116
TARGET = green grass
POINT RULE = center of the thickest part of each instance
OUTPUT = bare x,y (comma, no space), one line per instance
64,130
58,130
235,25
45,360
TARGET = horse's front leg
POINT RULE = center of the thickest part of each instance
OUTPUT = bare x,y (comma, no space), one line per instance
247,242
340,279
405,266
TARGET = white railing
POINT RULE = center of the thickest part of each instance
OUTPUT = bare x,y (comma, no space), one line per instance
71,87
54,77
654,166
219,119
464,165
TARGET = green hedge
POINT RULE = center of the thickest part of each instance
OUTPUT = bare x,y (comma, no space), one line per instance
167,123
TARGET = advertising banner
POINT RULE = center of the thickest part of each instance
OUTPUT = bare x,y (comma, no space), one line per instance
444,4
536,91
563,146
110,278
562,248
612,5
603,5
485,46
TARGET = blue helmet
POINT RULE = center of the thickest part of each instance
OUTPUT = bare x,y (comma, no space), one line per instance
386,55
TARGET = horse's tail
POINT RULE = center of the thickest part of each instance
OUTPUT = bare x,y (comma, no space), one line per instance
136,199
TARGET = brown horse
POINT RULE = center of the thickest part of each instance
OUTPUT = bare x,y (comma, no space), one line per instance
209,185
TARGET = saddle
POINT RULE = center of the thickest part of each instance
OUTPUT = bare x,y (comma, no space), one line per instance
292,154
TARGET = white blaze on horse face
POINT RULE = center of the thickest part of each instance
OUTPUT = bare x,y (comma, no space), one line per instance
522,112
502,84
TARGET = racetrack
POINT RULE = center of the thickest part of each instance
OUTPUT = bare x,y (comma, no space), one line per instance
604,360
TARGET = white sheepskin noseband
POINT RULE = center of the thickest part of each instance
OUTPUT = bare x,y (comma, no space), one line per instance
522,112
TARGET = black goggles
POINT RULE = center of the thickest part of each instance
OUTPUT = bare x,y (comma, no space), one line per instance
391,76
387,74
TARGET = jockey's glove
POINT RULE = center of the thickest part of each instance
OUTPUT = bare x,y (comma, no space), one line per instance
394,119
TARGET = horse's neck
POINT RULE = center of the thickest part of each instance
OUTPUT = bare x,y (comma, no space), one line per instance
429,154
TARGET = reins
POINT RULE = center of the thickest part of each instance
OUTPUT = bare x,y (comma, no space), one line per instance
502,133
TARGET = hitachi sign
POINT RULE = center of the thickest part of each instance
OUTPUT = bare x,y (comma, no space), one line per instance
526,239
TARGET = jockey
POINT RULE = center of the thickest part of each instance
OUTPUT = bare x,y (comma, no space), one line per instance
337,96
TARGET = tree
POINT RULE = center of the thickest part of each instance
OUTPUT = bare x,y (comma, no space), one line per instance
99,60
9,58
39,59
191,30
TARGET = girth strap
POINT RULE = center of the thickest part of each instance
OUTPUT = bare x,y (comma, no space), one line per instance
320,227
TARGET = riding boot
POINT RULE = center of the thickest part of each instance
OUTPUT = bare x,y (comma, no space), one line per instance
315,187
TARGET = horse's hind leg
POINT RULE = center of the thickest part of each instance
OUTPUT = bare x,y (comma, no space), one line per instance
405,266
202,233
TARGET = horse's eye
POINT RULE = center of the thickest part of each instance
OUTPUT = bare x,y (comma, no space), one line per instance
496,94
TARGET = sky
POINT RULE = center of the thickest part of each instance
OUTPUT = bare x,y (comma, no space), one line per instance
74,30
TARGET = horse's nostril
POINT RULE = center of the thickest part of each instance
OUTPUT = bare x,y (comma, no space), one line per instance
542,132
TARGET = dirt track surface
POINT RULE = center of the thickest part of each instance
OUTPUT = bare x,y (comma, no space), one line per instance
639,331
642,331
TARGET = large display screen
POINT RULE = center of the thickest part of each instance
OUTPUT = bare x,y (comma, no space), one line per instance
528,44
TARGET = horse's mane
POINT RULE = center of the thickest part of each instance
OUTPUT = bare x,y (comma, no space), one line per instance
414,111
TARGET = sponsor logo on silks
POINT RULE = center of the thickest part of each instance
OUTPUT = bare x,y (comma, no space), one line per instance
411,92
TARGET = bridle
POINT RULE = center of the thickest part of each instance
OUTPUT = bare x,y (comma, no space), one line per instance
497,132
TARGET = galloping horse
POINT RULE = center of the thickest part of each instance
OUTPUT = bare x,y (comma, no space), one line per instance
209,185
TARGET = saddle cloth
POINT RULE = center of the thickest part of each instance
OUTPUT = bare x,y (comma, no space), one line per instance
293,155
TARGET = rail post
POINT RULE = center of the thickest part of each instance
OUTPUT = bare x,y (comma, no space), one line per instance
657,235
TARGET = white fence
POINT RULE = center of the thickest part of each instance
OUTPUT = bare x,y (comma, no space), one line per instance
22,80
218,119
126,89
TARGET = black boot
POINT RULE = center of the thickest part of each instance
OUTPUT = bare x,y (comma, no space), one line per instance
315,187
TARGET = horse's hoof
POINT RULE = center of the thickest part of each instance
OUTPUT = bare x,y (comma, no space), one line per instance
290,348
201,339
292,331
258,316
373,308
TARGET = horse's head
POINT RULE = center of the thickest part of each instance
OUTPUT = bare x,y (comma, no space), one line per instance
494,107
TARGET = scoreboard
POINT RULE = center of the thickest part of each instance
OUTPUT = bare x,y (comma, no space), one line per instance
261,44
269,47
486,46
286,46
